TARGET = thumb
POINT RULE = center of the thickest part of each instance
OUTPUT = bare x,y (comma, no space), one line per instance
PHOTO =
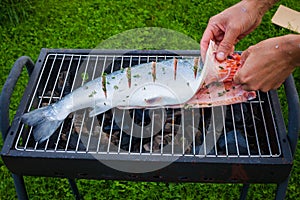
226,45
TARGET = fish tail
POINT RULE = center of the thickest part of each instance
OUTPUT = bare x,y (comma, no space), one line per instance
43,121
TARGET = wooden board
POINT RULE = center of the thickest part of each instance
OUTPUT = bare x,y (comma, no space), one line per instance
287,18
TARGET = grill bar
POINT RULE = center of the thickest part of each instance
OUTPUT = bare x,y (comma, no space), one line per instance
240,130
245,131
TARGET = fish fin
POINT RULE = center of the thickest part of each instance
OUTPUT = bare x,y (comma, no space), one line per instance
43,122
98,110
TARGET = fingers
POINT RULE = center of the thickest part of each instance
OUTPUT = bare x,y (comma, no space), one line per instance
239,76
236,78
213,31
207,36
244,56
227,44
241,80
263,88
253,77
203,49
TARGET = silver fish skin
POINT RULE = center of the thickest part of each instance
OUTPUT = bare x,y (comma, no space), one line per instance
165,88
147,85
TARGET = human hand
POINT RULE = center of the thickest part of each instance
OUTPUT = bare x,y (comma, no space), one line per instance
266,65
233,24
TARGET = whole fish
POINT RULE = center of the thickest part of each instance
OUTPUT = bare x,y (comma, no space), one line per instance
149,85
171,83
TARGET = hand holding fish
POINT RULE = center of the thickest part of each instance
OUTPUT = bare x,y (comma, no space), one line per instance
267,64
233,24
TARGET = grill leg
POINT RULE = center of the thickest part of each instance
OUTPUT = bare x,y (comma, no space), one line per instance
281,189
244,191
20,187
74,188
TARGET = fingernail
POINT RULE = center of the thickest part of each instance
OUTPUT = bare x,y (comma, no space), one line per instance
221,56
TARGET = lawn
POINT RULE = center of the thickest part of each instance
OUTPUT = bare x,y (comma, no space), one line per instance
28,26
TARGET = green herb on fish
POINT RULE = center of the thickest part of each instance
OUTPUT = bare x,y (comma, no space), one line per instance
136,76
128,75
195,71
93,93
218,84
84,76
187,106
196,60
221,93
163,70
175,67
104,84
116,87
153,72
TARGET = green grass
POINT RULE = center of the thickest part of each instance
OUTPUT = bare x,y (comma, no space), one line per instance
85,24
14,11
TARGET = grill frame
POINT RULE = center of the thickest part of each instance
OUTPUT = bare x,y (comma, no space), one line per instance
259,105
206,169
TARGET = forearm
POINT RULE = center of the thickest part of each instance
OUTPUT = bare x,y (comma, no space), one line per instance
262,5
291,48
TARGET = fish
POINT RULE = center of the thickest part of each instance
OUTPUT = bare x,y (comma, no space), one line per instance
173,83
148,85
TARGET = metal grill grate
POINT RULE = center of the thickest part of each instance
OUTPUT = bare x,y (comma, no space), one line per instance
239,130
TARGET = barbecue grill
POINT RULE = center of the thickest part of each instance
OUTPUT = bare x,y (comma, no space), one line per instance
240,143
